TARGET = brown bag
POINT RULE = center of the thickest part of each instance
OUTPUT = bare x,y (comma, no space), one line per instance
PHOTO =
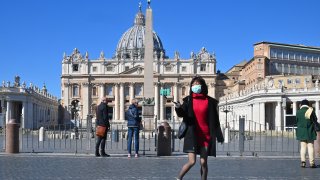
101,131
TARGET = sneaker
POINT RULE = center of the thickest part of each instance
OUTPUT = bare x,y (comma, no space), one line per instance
129,155
303,164
136,155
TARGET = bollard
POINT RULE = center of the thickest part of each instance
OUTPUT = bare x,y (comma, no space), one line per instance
164,140
12,136
41,134
115,135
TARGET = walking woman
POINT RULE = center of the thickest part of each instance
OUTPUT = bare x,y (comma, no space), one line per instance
200,113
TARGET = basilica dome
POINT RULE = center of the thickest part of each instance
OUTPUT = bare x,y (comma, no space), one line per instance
131,43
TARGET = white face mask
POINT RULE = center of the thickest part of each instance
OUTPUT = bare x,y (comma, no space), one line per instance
196,88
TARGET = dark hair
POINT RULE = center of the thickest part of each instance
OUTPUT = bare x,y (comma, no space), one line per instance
204,87
305,102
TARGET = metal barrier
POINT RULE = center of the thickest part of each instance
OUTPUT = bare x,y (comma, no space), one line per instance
254,140
251,138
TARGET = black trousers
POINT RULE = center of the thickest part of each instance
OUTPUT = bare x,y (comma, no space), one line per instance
101,142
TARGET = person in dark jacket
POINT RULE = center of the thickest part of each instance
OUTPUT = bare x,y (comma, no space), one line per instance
132,116
102,120
306,133
199,112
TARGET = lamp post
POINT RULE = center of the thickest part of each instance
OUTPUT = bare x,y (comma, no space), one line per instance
226,109
74,107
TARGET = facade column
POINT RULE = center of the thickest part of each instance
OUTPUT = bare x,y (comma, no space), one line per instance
102,89
317,109
156,99
278,116
262,115
294,108
121,101
212,90
161,105
66,97
131,92
86,99
116,101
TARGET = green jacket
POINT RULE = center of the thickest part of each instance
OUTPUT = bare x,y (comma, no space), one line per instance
305,127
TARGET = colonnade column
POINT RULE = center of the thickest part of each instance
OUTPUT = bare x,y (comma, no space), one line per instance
121,101
175,98
156,99
161,105
317,109
116,101
262,115
278,116
9,109
24,114
294,108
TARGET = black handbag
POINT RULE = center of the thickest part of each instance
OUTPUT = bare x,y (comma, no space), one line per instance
182,130
316,125
315,122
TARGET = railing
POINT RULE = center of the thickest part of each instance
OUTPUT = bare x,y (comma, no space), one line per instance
258,141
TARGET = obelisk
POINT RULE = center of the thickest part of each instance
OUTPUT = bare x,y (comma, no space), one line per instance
148,55
148,88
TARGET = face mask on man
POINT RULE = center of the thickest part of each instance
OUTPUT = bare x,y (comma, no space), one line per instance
196,89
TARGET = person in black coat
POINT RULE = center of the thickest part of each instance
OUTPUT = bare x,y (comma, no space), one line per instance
102,120
200,113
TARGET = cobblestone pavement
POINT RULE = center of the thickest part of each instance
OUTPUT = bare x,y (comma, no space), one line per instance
70,166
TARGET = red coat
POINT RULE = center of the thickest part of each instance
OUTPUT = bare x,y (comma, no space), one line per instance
190,141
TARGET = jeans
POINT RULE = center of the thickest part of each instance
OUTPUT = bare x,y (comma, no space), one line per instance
135,131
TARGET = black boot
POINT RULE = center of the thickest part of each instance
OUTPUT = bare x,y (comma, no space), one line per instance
97,153
104,154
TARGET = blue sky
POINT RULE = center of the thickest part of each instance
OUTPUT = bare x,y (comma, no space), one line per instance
34,34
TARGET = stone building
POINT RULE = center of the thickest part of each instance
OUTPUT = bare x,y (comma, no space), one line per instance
31,106
120,78
274,82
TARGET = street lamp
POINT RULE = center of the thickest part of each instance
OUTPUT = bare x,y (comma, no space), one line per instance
227,109
75,107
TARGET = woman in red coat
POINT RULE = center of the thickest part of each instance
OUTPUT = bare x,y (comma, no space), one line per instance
199,112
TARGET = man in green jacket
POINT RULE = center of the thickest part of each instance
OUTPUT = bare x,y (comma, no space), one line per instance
306,133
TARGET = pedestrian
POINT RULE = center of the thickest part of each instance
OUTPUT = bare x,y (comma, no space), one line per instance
306,133
132,116
102,120
199,112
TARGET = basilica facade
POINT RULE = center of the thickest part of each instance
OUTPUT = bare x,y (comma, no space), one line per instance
85,81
